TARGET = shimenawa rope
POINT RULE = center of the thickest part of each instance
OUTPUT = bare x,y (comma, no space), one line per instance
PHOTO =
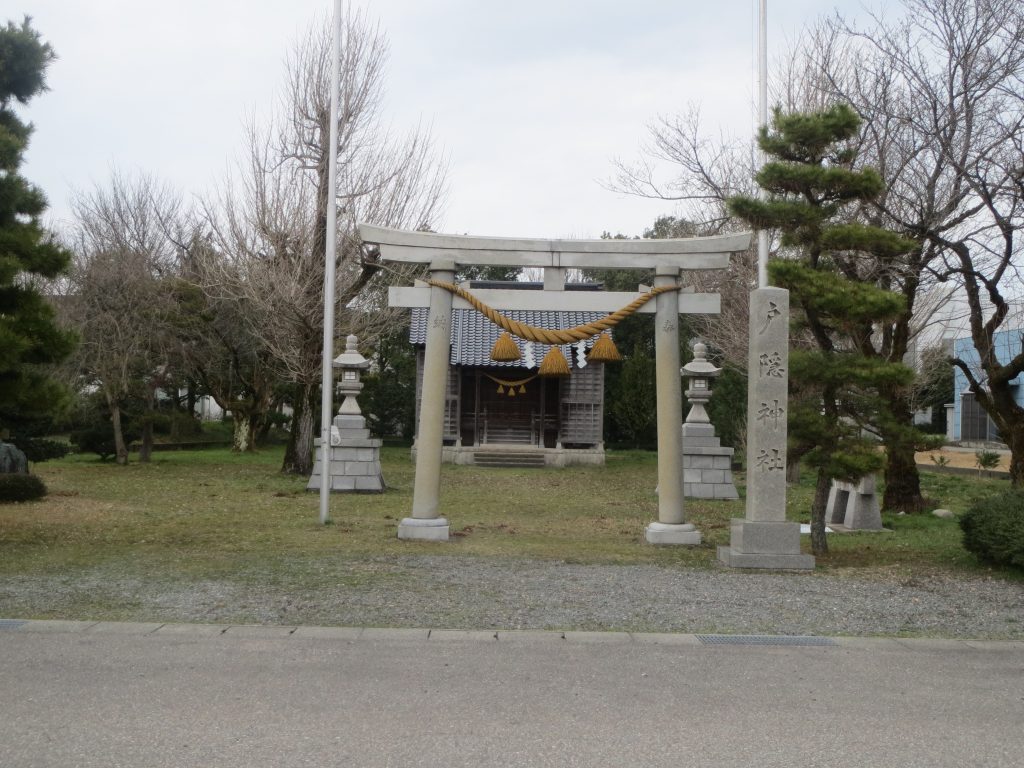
545,335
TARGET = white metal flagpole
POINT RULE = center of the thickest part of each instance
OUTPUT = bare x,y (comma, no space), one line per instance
762,116
327,385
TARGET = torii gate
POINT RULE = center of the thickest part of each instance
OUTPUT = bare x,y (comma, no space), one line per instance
444,253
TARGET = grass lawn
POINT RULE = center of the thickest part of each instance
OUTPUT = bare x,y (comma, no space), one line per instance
209,515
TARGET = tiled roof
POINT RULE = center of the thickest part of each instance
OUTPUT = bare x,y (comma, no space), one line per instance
473,335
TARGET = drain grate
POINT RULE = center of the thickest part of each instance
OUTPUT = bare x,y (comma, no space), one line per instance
764,640
11,623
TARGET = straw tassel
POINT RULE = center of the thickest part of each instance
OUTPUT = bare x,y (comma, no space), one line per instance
604,350
554,363
505,349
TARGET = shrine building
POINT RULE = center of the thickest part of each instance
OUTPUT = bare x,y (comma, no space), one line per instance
507,413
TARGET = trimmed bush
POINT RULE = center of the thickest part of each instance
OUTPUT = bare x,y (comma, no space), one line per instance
96,438
994,529
41,449
18,487
181,426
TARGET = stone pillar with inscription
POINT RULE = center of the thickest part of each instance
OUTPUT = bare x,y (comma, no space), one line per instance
426,521
764,539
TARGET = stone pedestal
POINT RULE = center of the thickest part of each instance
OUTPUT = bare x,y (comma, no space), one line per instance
667,533
355,458
707,466
755,544
764,538
854,505
426,529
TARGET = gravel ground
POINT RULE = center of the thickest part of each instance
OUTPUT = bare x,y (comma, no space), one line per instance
470,593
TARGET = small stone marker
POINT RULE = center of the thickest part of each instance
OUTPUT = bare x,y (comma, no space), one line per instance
945,514
854,505
764,538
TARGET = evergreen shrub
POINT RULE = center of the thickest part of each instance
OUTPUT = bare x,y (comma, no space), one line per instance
18,487
41,449
182,425
98,438
994,529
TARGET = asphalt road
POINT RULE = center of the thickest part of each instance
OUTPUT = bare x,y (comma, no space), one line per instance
80,694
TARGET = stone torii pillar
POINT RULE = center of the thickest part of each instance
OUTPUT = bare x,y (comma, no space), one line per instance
444,253
426,521
671,526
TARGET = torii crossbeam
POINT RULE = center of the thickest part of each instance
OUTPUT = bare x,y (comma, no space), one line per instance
446,253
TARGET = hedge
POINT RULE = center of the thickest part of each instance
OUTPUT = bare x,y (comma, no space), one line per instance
15,486
994,529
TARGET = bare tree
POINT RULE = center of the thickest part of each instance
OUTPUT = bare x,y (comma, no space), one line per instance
116,299
939,91
214,345
942,92
269,222
705,172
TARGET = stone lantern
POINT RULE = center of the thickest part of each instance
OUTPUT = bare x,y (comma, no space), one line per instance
351,364
700,373
707,465
355,456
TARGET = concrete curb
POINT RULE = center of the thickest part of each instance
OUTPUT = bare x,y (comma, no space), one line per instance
499,636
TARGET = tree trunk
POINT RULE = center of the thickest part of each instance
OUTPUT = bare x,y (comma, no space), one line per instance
1015,443
146,447
1002,406
298,406
241,439
263,425
120,449
1017,468
298,458
902,480
819,542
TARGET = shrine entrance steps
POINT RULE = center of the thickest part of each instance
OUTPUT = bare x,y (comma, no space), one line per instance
494,456
513,455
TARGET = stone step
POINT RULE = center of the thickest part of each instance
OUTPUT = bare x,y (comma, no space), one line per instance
509,436
508,459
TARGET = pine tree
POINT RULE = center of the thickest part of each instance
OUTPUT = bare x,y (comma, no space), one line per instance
813,194
29,336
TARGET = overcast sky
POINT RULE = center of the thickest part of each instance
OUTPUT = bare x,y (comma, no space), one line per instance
530,100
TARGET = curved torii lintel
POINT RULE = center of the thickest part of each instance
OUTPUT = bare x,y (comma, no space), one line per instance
425,247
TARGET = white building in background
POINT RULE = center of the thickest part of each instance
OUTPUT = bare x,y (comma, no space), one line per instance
208,410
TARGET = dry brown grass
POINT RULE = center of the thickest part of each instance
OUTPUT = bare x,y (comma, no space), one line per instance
209,517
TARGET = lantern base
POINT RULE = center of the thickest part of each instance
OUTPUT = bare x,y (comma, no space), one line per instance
355,467
355,458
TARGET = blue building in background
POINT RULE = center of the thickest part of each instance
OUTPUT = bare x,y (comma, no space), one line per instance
970,422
